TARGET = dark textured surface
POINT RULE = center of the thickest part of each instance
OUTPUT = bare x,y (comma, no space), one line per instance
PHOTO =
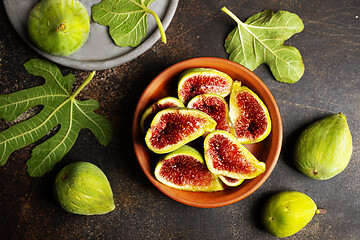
329,45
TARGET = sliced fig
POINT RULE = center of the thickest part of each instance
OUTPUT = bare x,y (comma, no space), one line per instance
231,182
184,169
226,156
196,81
152,110
216,107
249,115
174,127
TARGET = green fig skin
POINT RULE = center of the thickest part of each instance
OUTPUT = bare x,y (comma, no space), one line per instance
59,27
82,188
286,213
324,149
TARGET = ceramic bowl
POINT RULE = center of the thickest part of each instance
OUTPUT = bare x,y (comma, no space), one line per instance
268,150
99,52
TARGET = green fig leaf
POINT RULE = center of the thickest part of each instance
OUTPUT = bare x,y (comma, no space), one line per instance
260,39
60,108
127,20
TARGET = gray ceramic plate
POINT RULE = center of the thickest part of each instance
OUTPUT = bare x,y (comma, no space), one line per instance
99,52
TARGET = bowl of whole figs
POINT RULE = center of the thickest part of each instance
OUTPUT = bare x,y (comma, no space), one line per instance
207,132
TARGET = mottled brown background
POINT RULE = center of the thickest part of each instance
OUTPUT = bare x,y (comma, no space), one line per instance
329,46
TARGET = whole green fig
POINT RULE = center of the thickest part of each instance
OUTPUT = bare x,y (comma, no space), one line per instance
324,148
285,213
82,188
59,27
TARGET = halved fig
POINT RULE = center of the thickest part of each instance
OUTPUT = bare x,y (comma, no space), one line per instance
184,169
152,110
196,81
231,182
226,156
174,127
216,107
249,115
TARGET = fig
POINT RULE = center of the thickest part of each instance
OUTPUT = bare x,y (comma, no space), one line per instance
226,156
231,182
216,107
197,81
248,114
174,127
285,213
152,110
59,27
184,169
82,188
324,148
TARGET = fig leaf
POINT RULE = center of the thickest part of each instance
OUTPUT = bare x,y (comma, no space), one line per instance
60,108
127,20
260,39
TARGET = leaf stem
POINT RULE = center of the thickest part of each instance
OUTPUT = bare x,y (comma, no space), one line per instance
233,16
160,26
87,80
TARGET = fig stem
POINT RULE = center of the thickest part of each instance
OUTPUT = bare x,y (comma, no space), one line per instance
61,26
87,80
320,211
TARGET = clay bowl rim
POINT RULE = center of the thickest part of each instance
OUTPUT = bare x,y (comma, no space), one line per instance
272,143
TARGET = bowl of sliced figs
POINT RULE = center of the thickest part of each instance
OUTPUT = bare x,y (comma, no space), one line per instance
207,132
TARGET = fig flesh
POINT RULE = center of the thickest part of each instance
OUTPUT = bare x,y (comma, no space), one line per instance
324,149
286,213
59,27
184,169
231,182
151,111
249,115
197,81
226,156
174,127
82,188
216,107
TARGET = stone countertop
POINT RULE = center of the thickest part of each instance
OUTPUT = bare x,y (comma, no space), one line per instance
329,44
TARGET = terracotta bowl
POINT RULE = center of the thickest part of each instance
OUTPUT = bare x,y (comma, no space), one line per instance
266,151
